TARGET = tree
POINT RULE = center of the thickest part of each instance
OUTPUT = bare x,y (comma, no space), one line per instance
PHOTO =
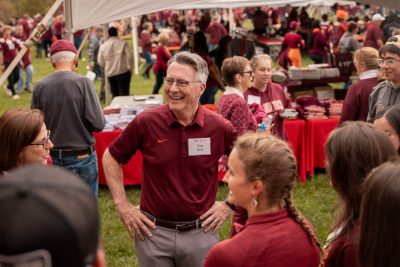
17,8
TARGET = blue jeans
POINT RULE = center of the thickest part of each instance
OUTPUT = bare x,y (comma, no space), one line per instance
86,168
208,95
159,81
28,82
149,62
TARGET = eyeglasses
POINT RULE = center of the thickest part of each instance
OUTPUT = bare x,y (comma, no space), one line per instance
45,141
249,72
389,61
389,134
181,84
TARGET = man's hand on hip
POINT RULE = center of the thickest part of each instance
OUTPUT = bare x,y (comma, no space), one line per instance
215,216
135,221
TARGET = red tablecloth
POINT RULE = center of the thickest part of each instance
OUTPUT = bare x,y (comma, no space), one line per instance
307,139
132,170
317,133
296,133
268,41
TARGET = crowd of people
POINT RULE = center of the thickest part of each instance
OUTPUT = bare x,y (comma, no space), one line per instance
182,141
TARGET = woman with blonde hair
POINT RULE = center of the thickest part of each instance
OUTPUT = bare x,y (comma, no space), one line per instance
352,151
262,171
356,103
266,93
24,139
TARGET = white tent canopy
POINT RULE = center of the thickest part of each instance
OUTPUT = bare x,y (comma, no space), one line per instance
89,13
94,12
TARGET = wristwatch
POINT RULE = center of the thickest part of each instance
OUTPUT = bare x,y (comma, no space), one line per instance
230,205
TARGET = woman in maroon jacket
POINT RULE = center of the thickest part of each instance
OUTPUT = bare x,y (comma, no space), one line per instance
262,170
267,94
355,106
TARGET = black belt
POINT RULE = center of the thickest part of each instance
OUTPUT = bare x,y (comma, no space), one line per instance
177,226
71,152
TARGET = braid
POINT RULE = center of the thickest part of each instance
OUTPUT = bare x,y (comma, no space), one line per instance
296,215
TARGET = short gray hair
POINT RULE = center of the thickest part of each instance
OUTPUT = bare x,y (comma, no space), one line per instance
63,56
195,61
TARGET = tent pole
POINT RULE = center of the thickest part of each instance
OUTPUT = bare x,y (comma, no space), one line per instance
232,25
83,41
135,45
35,36
68,35
107,92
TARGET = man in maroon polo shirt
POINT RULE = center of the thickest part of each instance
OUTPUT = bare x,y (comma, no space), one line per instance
181,143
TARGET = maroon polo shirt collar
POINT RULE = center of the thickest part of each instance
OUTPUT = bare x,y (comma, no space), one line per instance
198,119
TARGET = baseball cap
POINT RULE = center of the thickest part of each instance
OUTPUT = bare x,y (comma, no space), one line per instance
47,208
377,16
62,45
394,40
342,14
293,24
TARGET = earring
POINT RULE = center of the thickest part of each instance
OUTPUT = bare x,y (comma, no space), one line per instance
254,203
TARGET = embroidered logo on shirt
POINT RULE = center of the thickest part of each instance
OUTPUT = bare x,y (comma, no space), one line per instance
161,140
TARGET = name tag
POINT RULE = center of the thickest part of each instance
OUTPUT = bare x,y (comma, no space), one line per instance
268,107
253,99
199,146
277,104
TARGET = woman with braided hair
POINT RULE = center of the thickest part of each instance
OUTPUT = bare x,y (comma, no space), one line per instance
262,170
352,151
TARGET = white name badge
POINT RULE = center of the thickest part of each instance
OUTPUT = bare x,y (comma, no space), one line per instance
253,99
199,146
277,104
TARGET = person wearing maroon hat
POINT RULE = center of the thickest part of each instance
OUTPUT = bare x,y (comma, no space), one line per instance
72,113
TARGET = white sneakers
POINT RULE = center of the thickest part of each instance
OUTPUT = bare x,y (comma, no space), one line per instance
7,91
15,97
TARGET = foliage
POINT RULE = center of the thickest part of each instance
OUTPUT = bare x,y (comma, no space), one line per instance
17,8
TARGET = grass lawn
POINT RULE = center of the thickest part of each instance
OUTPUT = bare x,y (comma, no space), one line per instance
315,198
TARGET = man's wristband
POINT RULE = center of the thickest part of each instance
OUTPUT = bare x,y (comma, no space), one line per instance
230,205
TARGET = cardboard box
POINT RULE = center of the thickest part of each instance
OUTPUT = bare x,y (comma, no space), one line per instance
324,92
296,94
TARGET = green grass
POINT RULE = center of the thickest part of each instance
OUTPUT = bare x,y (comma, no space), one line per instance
315,198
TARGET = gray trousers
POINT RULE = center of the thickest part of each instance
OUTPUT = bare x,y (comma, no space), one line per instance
169,248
